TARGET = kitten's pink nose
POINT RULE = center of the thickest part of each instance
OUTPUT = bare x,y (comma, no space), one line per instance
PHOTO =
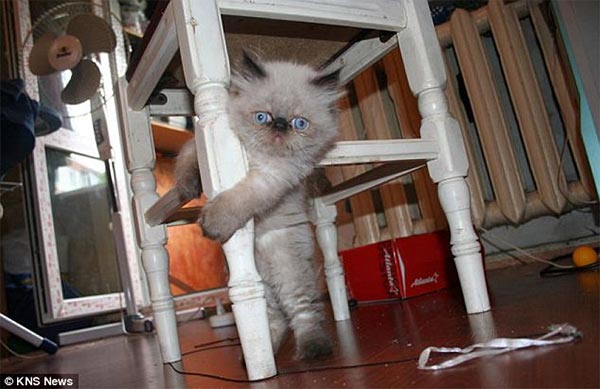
280,124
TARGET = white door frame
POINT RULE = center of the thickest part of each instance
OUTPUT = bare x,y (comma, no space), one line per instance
56,306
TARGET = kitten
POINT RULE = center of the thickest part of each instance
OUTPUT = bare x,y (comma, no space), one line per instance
285,116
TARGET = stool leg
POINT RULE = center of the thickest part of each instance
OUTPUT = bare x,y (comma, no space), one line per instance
455,199
324,219
427,79
247,293
222,164
214,139
139,148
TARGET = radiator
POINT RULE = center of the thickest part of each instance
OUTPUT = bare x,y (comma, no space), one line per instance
511,90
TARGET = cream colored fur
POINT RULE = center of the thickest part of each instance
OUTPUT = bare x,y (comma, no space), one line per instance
273,193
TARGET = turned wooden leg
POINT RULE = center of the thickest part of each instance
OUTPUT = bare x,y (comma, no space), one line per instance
247,294
155,261
222,164
483,327
324,218
139,149
427,79
455,201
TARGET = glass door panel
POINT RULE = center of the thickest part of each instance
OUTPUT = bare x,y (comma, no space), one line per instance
81,205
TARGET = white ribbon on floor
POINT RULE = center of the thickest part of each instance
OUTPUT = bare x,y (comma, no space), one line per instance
562,333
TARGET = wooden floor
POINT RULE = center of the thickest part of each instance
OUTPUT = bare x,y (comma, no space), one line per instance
387,338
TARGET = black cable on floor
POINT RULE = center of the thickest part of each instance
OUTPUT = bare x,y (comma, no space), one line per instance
203,347
290,372
553,271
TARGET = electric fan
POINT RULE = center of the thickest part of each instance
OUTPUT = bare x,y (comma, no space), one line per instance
69,37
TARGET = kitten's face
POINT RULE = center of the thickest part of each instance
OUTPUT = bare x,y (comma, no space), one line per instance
284,109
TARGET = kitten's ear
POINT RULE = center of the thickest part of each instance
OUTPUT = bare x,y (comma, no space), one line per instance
328,80
251,68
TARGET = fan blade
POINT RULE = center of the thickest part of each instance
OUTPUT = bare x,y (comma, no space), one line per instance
84,82
94,33
38,57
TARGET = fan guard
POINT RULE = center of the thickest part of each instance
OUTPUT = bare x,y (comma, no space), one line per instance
66,27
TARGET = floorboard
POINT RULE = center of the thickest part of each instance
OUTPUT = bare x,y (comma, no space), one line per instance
386,339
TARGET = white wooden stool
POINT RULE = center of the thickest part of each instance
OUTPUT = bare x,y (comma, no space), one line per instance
195,28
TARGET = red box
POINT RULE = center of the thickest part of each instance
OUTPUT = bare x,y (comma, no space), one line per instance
399,268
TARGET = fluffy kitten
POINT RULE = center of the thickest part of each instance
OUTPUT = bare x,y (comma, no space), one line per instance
285,116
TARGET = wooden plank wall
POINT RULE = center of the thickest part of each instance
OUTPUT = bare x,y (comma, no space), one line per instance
384,87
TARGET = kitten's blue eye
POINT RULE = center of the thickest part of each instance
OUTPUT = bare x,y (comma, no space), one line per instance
262,118
299,123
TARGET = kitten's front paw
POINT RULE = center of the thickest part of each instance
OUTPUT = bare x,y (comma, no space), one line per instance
217,222
313,346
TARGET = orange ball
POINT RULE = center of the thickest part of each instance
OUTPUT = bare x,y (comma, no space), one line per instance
584,255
